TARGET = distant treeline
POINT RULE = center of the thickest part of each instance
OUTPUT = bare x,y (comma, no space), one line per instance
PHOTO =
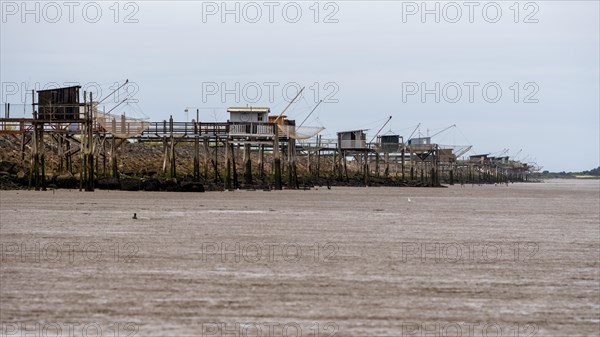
549,175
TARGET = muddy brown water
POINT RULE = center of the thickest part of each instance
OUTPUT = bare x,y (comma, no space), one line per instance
518,260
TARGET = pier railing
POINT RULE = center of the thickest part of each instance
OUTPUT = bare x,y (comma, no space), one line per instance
221,129
251,129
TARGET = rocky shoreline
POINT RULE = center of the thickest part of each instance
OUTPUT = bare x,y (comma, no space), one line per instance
18,180
140,166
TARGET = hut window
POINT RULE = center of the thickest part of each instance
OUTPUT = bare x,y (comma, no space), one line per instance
260,117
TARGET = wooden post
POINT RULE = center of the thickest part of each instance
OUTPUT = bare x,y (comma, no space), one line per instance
386,158
104,156
345,166
289,163
33,167
90,146
236,183
165,155
216,160
276,157
377,163
196,152
294,167
366,170
318,173
402,153
206,156
23,137
309,167
82,148
113,158
42,149
227,166
248,164
60,153
69,160
173,170
261,161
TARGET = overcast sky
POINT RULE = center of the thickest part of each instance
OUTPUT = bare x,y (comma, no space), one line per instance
532,84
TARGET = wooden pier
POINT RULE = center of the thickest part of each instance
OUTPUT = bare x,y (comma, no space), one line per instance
86,143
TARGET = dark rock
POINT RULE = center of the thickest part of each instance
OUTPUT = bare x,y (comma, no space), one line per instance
8,167
108,183
130,184
152,185
171,186
190,186
66,182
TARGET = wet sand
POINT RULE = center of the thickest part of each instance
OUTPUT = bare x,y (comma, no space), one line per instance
518,260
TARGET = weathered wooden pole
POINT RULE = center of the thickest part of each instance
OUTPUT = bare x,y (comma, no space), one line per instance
318,173
173,170
236,183
366,166
402,153
294,166
261,161
68,158
289,163
23,141
206,155
83,148
60,153
90,145
33,166
114,158
165,155
336,165
227,165
216,159
386,159
33,160
309,165
42,149
196,152
276,157
377,164
104,156
247,164
345,166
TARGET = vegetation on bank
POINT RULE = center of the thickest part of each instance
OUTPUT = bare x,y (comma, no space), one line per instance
591,174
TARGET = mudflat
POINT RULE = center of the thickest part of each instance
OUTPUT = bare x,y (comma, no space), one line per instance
516,260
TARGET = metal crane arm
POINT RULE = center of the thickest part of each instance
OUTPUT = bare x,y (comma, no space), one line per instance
437,133
386,122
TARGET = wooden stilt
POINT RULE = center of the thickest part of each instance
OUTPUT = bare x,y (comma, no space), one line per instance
196,153
227,166
173,170
206,156
261,161
247,165
236,183
276,157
